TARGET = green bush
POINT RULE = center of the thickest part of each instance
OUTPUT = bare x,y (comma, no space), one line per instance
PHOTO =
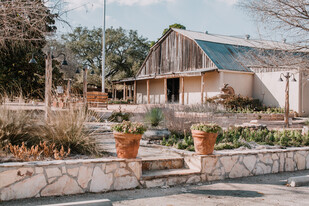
204,127
129,127
154,116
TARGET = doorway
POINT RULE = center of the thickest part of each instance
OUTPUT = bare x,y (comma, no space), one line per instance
173,90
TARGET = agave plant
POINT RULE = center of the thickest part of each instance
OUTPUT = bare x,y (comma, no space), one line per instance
154,116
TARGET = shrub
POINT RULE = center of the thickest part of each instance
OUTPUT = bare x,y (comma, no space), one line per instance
129,128
154,116
64,129
209,128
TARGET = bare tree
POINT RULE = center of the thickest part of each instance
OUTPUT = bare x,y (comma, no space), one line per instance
27,20
288,16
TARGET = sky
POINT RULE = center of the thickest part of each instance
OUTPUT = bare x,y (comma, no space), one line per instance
151,17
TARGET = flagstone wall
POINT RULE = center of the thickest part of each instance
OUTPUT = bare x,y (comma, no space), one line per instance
50,178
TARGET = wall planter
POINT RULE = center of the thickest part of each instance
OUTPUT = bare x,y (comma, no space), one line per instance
127,137
204,136
127,145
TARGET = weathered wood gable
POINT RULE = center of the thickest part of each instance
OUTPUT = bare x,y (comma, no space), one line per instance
174,53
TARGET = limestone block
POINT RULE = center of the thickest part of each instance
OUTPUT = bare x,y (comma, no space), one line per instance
103,167
63,186
176,180
228,162
50,180
214,178
239,171
111,167
127,182
194,162
290,154
122,164
194,179
84,176
274,156
275,168
27,188
262,169
289,165
10,176
53,172
267,159
307,162
63,170
136,168
155,183
73,171
39,170
281,162
300,161
100,181
209,164
249,162
121,172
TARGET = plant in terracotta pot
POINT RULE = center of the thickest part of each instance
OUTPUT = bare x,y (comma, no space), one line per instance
127,136
155,118
204,136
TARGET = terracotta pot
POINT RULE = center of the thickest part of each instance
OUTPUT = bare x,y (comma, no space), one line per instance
127,144
204,142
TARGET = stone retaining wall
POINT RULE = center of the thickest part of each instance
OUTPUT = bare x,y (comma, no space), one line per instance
242,164
49,178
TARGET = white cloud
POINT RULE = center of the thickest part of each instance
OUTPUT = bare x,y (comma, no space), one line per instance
93,4
229,2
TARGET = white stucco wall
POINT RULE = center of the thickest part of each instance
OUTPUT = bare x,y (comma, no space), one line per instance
192,88
242,83
271,92
141,92
304,104
156,91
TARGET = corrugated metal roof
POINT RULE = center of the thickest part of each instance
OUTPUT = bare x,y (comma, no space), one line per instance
230,57
234,40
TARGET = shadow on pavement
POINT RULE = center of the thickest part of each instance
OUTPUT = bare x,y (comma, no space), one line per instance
231,193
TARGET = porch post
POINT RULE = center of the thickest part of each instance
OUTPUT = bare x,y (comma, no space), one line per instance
124,91
134,94
85,85
202,89
182,91
148,92
165,91
130,91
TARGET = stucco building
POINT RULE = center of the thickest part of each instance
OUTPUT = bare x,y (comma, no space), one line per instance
188,67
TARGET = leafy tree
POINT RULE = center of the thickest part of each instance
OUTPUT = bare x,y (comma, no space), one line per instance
177,26
125,51
16,48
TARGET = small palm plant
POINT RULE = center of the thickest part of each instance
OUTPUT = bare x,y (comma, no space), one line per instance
154,116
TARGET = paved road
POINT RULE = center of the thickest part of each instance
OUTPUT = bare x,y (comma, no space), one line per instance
259,190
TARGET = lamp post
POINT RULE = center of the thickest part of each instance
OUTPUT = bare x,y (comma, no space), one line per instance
287,97
48,77
103,47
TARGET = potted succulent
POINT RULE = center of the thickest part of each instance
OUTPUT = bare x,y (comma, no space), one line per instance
204,136
155,117
127,136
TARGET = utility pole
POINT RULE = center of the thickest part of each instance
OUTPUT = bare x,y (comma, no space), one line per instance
103,47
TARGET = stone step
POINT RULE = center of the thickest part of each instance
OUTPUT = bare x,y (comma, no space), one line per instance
162,163
157,174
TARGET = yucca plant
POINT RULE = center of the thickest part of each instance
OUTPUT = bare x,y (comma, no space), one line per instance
154,116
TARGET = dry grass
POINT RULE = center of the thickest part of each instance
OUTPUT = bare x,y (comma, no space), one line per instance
64,129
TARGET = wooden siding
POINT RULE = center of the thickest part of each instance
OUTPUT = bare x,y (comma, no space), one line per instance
175,53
